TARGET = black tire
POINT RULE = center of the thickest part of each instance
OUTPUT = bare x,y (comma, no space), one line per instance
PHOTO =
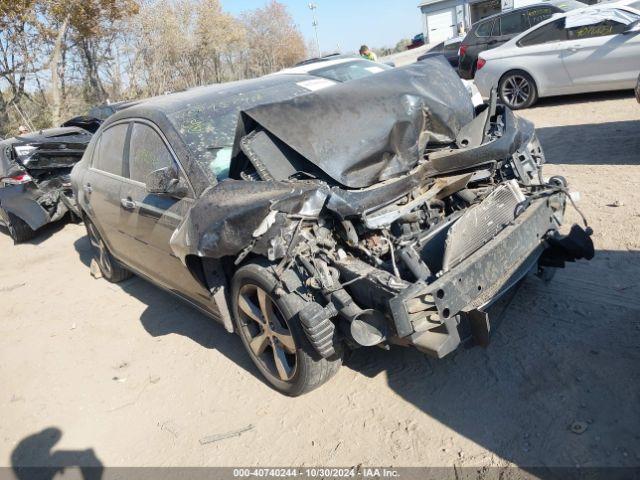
111,269
517,90
19,230
303,368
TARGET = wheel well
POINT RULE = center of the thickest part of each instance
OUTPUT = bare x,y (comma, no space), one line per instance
214,275
517,70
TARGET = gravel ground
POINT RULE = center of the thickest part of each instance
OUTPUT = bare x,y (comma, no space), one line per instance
125,375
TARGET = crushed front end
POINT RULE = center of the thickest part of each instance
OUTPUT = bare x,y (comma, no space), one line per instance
407,237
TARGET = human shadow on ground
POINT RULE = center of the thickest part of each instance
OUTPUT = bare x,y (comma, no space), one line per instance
35,458
564,359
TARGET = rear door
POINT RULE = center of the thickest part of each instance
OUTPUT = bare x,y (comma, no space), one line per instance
152,218
601,56
101,187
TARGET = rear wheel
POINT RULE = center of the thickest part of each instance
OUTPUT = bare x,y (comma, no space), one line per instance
19,230
111,270
517,90
272,335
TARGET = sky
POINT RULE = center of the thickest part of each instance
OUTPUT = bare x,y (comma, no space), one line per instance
348,23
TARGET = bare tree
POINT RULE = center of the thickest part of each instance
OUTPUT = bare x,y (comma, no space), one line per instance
19,55
275,42
65,55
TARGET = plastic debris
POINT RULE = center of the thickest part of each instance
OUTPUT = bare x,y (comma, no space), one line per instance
224,436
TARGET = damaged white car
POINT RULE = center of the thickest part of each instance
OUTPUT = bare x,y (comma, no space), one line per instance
386,210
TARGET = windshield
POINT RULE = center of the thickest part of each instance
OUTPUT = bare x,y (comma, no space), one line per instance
347,71
209,128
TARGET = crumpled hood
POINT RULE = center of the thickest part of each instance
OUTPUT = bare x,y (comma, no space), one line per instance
361,132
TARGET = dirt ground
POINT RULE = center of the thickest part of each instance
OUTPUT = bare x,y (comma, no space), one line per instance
125,375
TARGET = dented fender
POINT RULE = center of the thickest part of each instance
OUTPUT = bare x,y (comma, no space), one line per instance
21,201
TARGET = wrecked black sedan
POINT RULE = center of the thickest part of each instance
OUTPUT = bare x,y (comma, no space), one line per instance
35,187
382,211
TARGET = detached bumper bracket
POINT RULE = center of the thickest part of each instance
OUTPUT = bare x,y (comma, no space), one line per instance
482,276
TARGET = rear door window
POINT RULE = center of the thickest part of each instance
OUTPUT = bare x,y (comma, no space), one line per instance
110,150
147,153
549,33
514,23
601,29
484,29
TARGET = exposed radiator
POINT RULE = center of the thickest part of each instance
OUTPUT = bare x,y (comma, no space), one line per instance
481,223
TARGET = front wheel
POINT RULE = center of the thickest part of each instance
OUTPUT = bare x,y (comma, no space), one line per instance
517,90
272,335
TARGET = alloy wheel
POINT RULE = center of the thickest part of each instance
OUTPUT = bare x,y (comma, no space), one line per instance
516,90
267,333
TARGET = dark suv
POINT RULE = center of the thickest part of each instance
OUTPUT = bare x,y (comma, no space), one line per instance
495,30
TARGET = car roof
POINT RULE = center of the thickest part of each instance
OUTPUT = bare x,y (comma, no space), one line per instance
526,7
598,6
206,95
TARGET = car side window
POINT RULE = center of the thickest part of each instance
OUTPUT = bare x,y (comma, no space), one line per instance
484,29
513,23
147,153
601,29
537,15
110,149
549,33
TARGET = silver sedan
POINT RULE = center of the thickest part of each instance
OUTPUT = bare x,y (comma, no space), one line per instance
588,50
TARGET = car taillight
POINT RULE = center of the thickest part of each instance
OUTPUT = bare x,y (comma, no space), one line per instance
17,179
462,50
481,63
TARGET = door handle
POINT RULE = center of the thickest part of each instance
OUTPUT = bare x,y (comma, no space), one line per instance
87,188
574,48
127,204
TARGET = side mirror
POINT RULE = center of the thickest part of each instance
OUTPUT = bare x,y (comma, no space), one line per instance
163,181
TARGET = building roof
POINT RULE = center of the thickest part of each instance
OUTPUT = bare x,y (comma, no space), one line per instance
424,3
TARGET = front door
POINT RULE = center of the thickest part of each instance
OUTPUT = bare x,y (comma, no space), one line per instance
601,56
153,218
